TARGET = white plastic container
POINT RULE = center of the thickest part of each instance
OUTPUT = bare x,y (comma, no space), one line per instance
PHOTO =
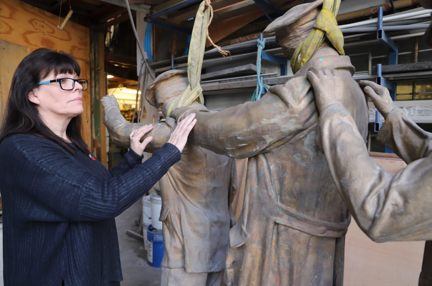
146,231
156,206
147,210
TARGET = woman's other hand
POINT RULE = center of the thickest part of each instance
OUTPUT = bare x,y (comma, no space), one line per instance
137,142
180,134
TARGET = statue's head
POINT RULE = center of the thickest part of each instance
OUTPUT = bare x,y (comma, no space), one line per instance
166,87
294,26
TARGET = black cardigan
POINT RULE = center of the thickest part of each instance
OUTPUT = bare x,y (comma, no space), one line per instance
59,210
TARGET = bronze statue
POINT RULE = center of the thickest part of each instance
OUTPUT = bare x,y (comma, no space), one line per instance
292,225
194,194
387,207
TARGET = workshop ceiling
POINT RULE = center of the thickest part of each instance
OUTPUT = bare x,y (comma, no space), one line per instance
171,13
231,17
234,21
85,12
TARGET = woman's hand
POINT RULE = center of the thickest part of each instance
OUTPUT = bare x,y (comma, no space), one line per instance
180,134
137,143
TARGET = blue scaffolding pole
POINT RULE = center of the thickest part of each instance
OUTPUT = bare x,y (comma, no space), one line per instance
392,60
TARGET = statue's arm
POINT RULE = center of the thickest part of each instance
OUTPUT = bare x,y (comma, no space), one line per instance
247,129
161,133
120,129
386,206
405,137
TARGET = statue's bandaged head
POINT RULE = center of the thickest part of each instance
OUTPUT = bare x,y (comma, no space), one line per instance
290,37
166,86
298,21
292,28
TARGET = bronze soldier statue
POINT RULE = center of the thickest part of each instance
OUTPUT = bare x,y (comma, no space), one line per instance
194,192
293,221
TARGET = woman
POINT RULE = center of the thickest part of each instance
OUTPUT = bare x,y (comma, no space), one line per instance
59,202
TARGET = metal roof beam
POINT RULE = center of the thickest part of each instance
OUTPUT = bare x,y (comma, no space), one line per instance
171,6
135,7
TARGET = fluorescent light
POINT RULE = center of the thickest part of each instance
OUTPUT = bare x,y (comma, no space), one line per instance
124,95
110,76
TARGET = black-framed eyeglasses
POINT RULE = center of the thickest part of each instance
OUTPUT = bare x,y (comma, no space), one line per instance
67,83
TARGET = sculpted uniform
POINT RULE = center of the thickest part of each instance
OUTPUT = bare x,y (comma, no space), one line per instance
194,192
388,207
195,217
293,221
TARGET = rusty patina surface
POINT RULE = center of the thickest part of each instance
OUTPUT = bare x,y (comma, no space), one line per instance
292,223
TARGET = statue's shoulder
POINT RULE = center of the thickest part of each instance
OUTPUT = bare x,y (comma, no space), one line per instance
295,85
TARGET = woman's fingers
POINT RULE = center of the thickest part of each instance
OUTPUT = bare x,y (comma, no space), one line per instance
139,132
137,143
182,125
146,141
181,132
187,120
188,128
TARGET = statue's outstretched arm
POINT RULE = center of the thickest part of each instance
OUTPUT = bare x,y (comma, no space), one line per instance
399,132
120,129
248,129
386,206
405,137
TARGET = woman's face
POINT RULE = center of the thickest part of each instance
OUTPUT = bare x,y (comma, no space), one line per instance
53,100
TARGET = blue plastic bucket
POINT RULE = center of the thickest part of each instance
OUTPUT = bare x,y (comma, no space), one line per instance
156,248
149,242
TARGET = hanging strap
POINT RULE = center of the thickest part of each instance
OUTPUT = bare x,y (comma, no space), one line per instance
197,45
261,87
325,27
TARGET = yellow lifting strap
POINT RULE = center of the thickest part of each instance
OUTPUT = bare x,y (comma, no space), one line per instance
325,27
197,45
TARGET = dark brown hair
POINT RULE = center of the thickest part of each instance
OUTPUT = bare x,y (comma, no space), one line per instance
22,116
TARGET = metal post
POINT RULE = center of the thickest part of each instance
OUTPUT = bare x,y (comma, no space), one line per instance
282,61
393,59
148,42
382,36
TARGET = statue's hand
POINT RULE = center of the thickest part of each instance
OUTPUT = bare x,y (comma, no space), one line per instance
380,96
328,88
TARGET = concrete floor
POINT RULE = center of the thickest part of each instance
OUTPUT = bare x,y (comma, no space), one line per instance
136,270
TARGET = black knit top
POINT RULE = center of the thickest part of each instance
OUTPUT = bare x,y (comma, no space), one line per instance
59,210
